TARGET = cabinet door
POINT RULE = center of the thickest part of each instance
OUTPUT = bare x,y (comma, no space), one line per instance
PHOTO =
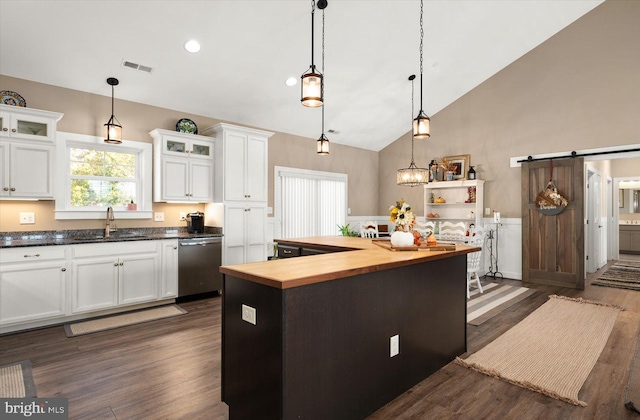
4,171
32,127
635,240
200,149
254,234
138,278
201,181
234,167
94,283
31,292
31,171
256,169
234,231
175,179
625,240
169,275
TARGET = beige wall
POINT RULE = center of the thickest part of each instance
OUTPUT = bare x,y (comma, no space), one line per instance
85,113
578,90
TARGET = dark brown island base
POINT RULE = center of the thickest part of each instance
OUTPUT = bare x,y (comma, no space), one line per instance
311,337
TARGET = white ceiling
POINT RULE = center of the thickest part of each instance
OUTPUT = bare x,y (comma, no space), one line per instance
249,48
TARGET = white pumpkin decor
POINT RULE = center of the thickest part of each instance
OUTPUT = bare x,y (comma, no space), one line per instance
402,238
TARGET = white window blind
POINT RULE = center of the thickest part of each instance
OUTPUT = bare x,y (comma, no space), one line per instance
310,203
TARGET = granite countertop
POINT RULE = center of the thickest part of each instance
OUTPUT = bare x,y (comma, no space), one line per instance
90,236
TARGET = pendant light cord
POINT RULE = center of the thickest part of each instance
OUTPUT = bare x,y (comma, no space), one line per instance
412,100
421,37
313,11
112,94
324,94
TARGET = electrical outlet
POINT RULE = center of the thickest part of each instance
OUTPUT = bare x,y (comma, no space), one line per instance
249,314
27,218
487,211
394,347
158,216
183,216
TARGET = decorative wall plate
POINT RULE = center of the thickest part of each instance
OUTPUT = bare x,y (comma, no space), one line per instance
12,98
185,125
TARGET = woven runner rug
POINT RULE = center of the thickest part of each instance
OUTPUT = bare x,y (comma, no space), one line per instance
16,381
117,321
553,350
622,275
496,298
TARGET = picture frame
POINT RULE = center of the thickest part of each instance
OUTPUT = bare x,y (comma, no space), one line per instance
461,164
621,198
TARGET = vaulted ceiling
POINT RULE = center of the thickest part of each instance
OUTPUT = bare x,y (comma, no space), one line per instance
249,49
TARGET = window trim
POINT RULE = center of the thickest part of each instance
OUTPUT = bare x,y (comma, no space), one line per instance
63,211
303,173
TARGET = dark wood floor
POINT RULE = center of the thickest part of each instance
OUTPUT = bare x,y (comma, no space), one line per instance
170,369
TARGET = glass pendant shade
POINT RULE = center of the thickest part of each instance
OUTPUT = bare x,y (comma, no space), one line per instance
323,145
421,126
113,134
412,176
113,130
312,88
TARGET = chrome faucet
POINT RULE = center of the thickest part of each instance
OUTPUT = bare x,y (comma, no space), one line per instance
110,218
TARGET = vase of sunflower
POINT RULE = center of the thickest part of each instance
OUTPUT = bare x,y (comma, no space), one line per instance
402,215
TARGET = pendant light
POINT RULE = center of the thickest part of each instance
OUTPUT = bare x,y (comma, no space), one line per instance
312,81
421,124
323,142
412,176
113,127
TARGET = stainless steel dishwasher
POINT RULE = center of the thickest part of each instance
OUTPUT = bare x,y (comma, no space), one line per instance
199,261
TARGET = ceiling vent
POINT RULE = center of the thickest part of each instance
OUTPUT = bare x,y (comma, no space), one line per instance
136,66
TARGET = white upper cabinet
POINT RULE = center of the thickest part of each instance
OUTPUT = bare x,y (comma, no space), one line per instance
27,152
241,165
184,166
28,124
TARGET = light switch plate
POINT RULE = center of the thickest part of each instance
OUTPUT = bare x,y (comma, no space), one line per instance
249,314
158,216
27,218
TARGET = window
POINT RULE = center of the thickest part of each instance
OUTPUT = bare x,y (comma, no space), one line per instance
309,203
92,175
101,178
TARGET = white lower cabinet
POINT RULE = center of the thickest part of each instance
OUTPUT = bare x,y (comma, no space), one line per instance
109,275
244,234
45,285
169,275
32,284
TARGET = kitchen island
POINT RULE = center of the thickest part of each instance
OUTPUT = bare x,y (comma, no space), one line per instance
311,337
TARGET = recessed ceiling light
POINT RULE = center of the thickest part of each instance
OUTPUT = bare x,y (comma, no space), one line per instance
192,46
291,81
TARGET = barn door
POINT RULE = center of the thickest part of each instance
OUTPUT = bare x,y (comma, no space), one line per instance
553,246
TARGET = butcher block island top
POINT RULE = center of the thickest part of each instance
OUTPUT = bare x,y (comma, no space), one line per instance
359,256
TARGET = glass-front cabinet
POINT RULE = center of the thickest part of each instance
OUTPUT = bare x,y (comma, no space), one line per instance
179,146
28,124
27,151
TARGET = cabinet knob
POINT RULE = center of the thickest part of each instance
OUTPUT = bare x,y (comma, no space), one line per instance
121,263
5,129
175,247
6,188
63,269
115,264
13,189
13,130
